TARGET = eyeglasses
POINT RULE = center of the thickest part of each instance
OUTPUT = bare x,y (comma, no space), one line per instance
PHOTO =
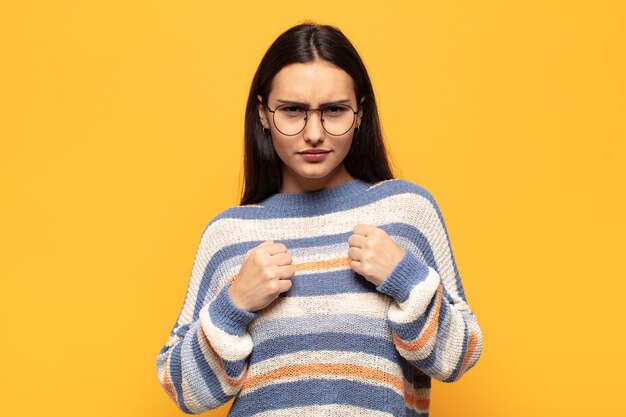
290,119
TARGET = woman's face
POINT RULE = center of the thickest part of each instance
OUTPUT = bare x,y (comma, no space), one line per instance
312,85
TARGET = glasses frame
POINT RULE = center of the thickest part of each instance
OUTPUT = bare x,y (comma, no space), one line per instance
306,116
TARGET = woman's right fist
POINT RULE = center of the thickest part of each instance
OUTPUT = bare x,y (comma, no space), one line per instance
265,273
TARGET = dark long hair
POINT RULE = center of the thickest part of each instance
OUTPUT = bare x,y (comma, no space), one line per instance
306,42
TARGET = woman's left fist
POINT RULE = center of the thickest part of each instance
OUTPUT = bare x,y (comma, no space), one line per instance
374,253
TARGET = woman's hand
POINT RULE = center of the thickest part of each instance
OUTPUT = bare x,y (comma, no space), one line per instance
265,273
374,253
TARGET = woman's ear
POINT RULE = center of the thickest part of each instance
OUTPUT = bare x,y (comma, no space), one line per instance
262,113
360,113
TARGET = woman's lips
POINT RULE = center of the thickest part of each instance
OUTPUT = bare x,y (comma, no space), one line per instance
314,157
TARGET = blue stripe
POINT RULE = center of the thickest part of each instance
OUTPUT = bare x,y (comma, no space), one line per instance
176,378
182,330
444,328
345,342
234,368
386,189
457,368
412,413
298,326
226,316
416,238
329,283
312,392
206,372
415,376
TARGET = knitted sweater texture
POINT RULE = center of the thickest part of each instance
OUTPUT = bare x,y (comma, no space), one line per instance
334,344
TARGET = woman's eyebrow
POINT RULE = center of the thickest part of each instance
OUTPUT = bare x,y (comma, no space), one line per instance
329,103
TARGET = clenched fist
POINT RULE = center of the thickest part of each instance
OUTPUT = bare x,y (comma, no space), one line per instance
374,253
265,273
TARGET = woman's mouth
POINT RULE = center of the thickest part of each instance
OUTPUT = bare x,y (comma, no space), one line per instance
314,156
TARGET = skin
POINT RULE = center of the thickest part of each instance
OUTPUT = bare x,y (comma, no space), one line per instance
267,268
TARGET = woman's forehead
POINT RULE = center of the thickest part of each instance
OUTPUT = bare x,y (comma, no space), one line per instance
312,82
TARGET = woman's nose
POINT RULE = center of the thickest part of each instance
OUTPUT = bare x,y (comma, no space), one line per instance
314,130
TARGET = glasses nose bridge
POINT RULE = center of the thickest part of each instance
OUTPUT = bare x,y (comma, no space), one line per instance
306,113
306,117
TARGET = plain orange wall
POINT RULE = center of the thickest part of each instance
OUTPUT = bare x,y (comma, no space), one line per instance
121,128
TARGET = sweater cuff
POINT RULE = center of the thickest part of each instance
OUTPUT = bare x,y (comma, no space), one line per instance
408,273
227,316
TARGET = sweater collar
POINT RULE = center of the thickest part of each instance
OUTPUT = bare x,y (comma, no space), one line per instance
328,199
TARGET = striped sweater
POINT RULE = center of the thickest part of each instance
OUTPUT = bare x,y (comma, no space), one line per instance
334,344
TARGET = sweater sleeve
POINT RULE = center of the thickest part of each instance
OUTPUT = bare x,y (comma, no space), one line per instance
205,361
432,325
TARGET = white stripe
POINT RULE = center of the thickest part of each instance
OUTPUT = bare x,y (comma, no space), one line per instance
217,370
326,357
228,347
364,304
419,298
324,410
190,400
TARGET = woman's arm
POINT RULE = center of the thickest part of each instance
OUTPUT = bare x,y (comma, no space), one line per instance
433,326
204,362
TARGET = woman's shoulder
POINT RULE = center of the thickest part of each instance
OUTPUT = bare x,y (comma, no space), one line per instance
234,216
401,185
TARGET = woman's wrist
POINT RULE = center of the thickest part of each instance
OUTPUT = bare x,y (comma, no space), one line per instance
235,299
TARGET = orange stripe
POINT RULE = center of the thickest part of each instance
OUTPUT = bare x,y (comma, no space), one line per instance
470,349
312,266
166,381
414,402
231,381
330,263
324,369
428,333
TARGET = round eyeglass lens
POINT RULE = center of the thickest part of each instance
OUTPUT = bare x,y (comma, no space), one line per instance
336,119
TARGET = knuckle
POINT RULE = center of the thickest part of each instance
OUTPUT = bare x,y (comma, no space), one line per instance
273,287
270,274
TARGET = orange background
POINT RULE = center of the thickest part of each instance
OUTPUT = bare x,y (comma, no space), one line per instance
121,127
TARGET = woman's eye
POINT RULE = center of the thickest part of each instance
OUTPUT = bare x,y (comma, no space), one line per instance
335,110
292,110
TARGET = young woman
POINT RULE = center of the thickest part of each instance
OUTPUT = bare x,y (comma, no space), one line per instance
332,289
